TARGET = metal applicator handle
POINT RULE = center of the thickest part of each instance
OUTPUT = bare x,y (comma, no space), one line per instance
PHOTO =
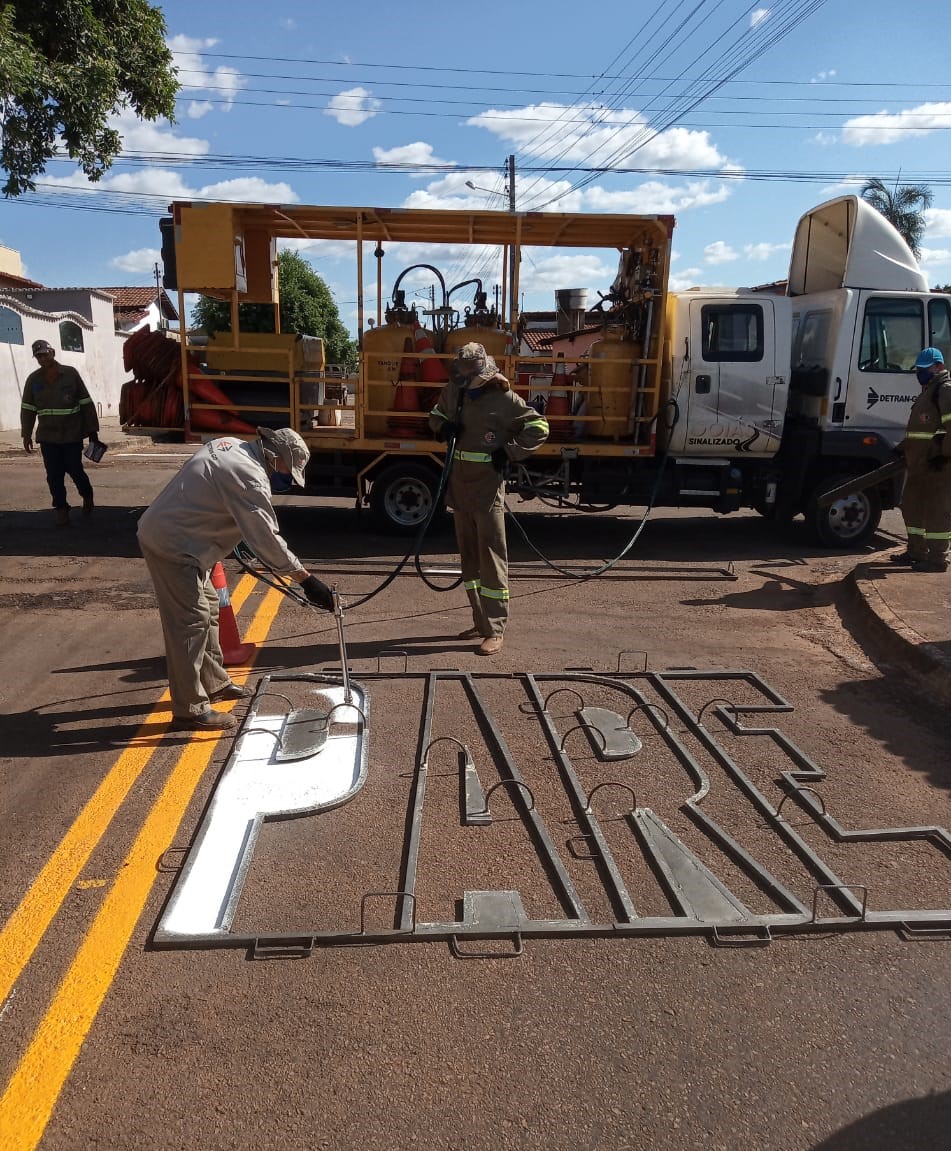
338,615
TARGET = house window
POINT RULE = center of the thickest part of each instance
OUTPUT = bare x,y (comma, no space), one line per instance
11,327
70,336
732,332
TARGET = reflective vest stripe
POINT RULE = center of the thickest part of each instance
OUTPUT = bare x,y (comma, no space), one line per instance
473,457
471,584
922,435
28,407
937,535
543,424
56,411
946,419
914,531
437,412
495,593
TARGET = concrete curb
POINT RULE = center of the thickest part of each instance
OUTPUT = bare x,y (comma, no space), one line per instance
888,629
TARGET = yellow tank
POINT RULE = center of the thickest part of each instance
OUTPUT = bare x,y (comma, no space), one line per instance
383,350
496,341
611,376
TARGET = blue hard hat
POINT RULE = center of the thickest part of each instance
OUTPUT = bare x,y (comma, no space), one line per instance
928,357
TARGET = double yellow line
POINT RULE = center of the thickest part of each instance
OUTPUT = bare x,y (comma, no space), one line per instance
36,1083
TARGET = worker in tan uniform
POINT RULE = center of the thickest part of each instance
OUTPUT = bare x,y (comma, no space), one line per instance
926,448
486,425
219,497
56,400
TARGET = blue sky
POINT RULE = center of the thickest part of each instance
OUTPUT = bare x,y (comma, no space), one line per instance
741,116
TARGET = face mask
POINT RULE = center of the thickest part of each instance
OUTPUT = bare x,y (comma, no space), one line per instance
924,375
280,482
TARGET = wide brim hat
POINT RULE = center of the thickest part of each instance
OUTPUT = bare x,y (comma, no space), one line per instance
291,448
472,363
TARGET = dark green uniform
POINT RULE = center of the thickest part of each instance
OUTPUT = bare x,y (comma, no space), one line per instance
926,503
493,418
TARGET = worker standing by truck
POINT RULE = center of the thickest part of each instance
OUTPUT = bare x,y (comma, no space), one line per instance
926,448
488,425
57,401
219,497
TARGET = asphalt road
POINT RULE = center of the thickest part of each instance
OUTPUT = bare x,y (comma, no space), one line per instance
836,1040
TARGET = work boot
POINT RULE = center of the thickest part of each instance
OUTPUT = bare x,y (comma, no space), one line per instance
929,565
228,692
204,721
491,645
88,505
904,557
62,517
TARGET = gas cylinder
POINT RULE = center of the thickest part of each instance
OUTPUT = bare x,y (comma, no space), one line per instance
382,355
611,378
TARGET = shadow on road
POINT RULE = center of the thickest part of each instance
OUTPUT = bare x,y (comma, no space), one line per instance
910,1125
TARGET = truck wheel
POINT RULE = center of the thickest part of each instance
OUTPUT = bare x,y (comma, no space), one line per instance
849,521
402,496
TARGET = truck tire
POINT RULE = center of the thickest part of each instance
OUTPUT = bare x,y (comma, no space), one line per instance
402,497
849,521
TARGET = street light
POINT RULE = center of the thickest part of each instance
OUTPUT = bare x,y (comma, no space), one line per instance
488,191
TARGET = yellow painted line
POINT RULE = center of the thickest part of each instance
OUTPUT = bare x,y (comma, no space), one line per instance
34,1087
28,923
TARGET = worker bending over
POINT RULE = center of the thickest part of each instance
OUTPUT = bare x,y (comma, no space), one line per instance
491,425
220,497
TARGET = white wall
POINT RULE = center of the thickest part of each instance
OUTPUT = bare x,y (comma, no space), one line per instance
99,364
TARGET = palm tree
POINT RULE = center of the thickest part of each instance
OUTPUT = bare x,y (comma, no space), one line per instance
904,206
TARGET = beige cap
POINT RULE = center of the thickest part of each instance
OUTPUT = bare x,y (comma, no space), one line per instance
472,363
290,446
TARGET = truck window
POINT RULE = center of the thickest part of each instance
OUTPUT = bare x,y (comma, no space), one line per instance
732,332
891,334
813,337
939,326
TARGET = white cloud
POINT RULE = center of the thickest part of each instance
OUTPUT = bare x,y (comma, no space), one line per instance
289,24
352,107
935,255
417,153
938,222
688,278
822,77
887,127
758,17
719,252
146,136
763,251
559,270
654,196
171,186
199,108
826,139
137,261
194,73
591,135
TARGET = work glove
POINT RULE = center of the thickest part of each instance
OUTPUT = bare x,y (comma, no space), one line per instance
27,444
449,430
500,461
938,463
317,592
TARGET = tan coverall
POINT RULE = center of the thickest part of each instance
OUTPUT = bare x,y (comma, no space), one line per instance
219,497
926,503
492,418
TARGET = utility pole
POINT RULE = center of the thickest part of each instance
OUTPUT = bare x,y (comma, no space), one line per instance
512,276
162,322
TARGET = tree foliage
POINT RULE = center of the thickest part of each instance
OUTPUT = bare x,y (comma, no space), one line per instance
307,308
66,66
903,206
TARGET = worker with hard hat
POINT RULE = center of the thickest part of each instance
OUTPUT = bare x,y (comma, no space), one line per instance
56,400
221,496
490,426
926,448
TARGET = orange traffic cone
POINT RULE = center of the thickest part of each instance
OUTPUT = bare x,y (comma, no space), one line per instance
233,650
558,408
432,370
406,397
